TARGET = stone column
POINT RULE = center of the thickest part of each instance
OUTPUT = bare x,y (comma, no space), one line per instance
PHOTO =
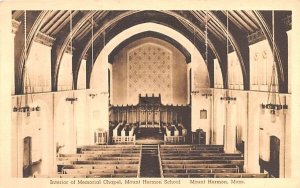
230,128
252,136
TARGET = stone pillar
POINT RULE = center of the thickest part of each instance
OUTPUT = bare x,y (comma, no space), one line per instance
219,118
252,136
230,128
285,142
74,127
52,142
212,129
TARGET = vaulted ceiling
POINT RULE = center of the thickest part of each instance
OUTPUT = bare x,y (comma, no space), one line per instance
62,29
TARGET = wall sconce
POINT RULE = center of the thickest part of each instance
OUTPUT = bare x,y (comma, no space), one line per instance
227,98
285,108
274,108
195,92
92,95
26,109
206,95
71,99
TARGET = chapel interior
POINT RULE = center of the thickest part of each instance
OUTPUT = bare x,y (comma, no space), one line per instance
151,93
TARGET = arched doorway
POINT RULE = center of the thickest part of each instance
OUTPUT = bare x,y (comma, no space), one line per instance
27,158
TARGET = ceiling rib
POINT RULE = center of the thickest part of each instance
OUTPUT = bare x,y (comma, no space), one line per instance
47,25
66,21
57,23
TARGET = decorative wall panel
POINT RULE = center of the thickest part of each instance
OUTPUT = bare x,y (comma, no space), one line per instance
149,72
235,76
218,74
261,66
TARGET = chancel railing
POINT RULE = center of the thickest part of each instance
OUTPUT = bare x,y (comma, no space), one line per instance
172,120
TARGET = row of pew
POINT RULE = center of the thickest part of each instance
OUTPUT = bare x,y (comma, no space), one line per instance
202,161
175,161
100,161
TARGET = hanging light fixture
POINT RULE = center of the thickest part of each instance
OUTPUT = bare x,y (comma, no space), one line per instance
92,40
92,95
227,96
272,103
71,99
206,94
105,92
194,92
26,108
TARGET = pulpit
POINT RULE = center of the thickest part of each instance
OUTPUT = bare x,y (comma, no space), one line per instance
101,136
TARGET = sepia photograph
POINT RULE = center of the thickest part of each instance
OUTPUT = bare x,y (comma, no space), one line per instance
132,96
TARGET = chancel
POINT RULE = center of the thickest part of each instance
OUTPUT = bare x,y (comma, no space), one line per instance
151,93
149,120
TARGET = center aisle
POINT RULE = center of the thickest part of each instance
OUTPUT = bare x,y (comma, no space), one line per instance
150,161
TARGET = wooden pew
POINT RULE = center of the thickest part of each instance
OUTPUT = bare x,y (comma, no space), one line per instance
234,162
215,175
81,158
98,171
109,146
127,175
166,166
99,175
100,155
194,149
76,171
101,172
240,175
200,154
70,162
126,152
202,161
175,152
102,166
191,146
181,175
101,161
262,175
201,157
201,170
60,176
46,176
